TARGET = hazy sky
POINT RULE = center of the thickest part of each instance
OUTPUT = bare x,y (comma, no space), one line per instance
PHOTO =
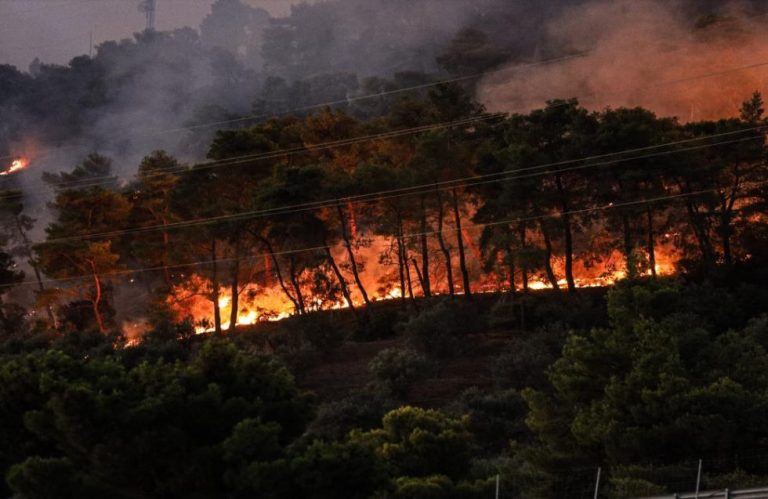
57,30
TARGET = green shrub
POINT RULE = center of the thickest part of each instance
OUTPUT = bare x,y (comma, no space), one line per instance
396,370
738,479
377,325
504,314
360,410
622,487
495,418
524,361
441,330
441,487
302,341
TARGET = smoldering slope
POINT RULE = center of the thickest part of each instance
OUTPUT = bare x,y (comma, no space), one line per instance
632,43
656,54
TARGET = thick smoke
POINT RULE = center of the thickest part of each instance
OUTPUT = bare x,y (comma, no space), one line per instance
139,94
663,56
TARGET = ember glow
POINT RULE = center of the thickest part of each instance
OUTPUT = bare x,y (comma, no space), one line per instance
16,165
267,303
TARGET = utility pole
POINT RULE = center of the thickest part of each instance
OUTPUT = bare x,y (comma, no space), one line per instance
148,8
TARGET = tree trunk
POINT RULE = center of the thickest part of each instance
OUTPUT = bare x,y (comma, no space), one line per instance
35,269
400,262
215,288
700,231
235,290
725,236
295,283
408,275
460,241
419,276
726,231
279,273
424,275
351,254
340,278
651,244
164,263
511,267
567,234
628,246
548,258
96,302
441,241
523,266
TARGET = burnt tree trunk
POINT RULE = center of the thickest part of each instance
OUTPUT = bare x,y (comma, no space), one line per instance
441,241
511,268
408,277
340,278
424,275
215,289
279,273
419,276
400,261
35,269
351,254
523,266
628,246
700,231
548,258
726,230
651,245
96,302
295,283
235,290
567,234
460,242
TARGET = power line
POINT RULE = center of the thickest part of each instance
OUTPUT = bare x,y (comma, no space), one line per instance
610,206
410,191
413,88
303,149
255,117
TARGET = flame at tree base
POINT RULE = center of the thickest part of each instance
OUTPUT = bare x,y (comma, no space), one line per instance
257,303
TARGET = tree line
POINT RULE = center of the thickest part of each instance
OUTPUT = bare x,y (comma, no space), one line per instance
313,205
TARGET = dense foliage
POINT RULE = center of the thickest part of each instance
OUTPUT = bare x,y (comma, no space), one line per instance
665,382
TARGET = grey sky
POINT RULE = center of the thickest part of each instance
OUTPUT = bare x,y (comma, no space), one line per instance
57,30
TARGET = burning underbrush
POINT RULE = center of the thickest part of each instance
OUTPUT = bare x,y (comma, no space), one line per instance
268,301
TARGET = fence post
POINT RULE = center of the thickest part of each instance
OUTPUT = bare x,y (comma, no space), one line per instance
698,480
597,482
498,478
727,494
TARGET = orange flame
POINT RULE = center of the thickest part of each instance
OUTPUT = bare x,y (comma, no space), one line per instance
16,165
267,302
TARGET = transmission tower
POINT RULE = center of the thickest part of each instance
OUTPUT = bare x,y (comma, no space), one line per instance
148,8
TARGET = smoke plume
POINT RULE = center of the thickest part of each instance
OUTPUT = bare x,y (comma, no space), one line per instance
658,55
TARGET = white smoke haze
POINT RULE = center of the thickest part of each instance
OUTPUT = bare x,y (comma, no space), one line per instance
151,91
645,53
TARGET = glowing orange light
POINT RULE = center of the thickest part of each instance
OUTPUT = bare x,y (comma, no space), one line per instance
16,165
266,302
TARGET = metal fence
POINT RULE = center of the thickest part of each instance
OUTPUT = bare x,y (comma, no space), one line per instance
758,493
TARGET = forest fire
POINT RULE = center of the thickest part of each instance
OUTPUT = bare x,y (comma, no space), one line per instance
269,303
16,165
